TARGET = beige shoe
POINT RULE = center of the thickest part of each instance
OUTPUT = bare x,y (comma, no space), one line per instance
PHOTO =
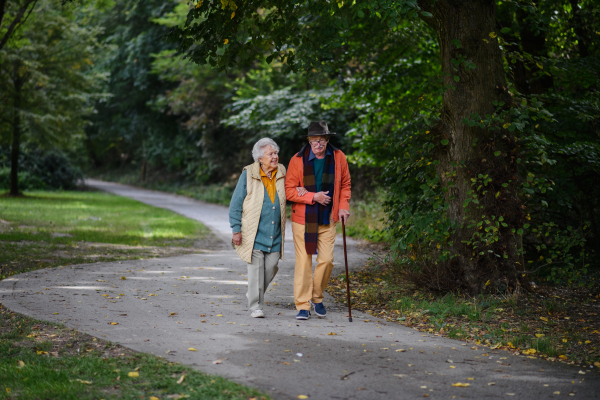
257,314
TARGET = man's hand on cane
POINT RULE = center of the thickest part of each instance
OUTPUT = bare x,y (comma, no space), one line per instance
343,215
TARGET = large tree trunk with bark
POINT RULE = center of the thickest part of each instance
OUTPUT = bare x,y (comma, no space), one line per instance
480,187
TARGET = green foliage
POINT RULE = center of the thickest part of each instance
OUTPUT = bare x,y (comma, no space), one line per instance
124,123
47,78
27,181
40,169
222,34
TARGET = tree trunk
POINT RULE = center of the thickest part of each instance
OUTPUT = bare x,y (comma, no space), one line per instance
467,162
16,142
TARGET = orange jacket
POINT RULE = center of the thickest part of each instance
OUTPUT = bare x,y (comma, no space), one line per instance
341,187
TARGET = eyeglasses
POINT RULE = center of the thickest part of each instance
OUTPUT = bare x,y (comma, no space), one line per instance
272,154
319,141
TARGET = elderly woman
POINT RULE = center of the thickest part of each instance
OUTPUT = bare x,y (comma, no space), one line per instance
257,219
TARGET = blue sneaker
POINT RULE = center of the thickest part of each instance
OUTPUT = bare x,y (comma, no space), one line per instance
303,314
319,309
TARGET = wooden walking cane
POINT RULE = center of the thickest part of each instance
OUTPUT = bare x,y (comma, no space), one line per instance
347,277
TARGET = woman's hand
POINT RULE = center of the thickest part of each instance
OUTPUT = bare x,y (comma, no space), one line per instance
301,191
237,238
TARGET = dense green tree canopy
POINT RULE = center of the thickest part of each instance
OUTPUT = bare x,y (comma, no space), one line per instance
47,81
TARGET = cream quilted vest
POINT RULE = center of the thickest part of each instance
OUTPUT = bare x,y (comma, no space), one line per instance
251,209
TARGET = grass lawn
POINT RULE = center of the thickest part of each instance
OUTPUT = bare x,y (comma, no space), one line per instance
42,360
555,323
47,229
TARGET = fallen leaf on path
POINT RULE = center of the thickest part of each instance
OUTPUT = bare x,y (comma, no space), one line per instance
41,352
286,363
582,373
332,334
84,382
461,384
133,374
400,351
530,351
123,278
114,323
539,335
302,396
219,361
54,313
173,313
452,366
219,315
491,383
181,379
20,364
192,349
556,393
154,398
544,319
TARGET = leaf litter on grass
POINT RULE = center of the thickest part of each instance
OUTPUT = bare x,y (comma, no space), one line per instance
554,323
88,366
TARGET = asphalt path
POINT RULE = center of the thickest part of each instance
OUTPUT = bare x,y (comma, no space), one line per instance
192,309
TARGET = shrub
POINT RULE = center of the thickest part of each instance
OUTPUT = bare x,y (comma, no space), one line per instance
39,169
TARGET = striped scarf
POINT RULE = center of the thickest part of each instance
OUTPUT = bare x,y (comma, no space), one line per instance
311,224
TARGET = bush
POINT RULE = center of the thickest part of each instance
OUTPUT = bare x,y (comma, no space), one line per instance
40,169
26,180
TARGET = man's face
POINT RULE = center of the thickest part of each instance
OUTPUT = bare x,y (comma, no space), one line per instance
318,144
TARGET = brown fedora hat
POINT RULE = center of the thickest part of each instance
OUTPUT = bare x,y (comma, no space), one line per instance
319,129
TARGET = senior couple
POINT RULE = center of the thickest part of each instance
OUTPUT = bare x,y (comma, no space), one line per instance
318,185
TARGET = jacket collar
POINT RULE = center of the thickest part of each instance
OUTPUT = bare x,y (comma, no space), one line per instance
254,170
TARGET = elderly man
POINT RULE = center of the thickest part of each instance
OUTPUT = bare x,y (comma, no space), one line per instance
322,170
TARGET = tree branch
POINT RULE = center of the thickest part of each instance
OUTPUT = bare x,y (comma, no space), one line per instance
17,21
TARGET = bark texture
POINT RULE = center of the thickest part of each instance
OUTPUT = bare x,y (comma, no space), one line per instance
463,30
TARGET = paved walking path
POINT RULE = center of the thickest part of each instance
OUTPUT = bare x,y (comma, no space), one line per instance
167,306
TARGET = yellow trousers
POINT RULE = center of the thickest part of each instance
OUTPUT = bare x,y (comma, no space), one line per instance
309,286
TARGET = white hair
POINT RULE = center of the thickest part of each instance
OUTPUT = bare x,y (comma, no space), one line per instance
258,151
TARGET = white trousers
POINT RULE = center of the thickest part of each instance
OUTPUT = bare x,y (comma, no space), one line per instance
261,272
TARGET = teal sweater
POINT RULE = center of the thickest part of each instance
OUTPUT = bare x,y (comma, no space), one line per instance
268,237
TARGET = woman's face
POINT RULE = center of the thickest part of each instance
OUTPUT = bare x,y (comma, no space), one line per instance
269,159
